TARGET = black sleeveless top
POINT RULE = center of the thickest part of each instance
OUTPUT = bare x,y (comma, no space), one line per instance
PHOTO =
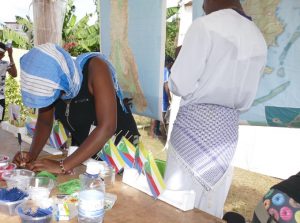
78,114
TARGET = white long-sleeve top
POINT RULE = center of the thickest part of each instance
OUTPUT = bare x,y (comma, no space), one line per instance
221,61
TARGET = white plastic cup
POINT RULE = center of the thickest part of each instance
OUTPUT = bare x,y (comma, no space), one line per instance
40,188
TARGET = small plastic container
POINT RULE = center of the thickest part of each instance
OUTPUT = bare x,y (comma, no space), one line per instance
109,201
40,187
19,178
65,207
8,208
4,160
108,175
7,169
29,206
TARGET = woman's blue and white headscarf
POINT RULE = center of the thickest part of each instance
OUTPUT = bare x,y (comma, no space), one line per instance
47,70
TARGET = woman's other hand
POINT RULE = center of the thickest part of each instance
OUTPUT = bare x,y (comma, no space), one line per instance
22,159
51,166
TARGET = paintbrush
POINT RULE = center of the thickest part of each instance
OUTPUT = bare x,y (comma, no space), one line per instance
20,146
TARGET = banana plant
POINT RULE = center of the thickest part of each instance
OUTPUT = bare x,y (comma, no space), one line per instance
79,37
27,27
19,40
172,29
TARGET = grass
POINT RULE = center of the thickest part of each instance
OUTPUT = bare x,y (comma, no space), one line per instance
153,144
246,190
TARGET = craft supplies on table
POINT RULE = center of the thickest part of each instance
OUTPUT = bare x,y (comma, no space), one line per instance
69,187
109,201
47,174
66,206
108,175
10,198
4,160
35,211
19,178
8,168
40,187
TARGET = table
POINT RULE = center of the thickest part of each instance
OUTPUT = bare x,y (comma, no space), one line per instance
131,206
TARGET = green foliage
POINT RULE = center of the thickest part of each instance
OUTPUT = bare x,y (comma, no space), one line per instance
79,37
18,40
172,29
70,18
27,27
172,11
12,92
13,96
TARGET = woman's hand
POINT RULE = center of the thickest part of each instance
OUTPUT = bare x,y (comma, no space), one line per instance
51,166
22,160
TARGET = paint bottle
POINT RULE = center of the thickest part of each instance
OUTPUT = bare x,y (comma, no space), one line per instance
92,194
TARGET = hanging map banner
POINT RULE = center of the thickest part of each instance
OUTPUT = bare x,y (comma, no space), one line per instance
133,38
277,101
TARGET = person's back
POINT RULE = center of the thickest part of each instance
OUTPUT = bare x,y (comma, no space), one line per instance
234,51
81,115
216,74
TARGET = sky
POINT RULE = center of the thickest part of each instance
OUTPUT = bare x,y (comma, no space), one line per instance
11,8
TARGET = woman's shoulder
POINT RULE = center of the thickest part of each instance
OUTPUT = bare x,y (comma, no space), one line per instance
96,63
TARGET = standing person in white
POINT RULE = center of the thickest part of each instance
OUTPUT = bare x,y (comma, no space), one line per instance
216,74
5,66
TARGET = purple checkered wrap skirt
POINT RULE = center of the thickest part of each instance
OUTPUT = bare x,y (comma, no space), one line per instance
204,139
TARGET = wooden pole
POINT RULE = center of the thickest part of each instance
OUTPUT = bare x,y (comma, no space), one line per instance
48,17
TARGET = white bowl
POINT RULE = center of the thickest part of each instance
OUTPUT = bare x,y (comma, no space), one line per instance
19,178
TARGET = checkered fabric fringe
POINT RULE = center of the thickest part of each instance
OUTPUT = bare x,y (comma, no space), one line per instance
204,139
